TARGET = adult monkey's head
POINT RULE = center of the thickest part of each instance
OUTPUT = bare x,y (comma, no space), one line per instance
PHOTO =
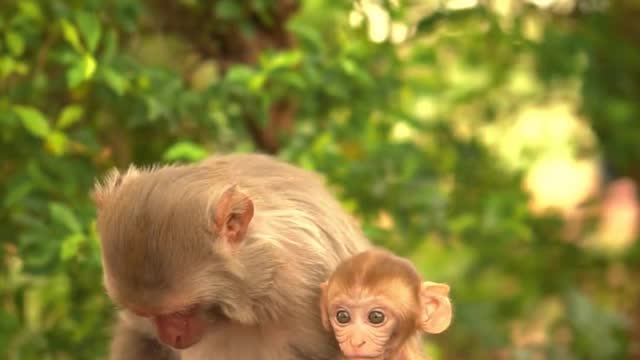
177,249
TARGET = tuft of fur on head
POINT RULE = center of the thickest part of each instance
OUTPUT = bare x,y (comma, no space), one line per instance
105,189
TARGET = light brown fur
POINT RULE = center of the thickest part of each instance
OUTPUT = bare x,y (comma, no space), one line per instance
161,254
378,279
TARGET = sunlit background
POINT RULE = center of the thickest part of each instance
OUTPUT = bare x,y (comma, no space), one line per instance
494,143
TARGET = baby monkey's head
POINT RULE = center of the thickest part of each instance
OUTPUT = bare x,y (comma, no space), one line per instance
375,302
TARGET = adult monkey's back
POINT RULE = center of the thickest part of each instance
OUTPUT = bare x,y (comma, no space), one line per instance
221,259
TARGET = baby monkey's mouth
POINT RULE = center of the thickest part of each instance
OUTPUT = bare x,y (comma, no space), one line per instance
363,357
362,354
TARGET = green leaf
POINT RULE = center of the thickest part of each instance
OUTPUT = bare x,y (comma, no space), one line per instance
351,68
89,66
15,43
81,71
155,108
239,74
70,34
185,150
30,9
116,81
33,308
63,215
56,143
110,45
452,17
69,116
228,10
428,23
16,193
7,66
70,245
33,120
311,37
293,79
284,60
257,82
89,26
74,75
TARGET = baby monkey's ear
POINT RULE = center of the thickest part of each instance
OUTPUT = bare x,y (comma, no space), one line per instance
324,304
436,310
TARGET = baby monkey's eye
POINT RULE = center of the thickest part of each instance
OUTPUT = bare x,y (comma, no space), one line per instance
343,317
376,317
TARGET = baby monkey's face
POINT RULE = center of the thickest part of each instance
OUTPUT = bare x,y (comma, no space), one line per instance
375,303
362,326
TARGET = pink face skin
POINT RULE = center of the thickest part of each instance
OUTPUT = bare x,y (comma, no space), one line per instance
362,326
179,330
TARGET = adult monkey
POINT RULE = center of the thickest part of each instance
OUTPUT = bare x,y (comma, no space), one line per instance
221,259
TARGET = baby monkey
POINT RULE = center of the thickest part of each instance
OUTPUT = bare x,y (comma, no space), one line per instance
377,304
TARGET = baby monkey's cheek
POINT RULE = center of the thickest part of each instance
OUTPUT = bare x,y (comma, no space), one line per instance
379,336
342,333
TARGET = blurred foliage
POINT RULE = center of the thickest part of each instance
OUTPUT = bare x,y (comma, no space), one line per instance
391,100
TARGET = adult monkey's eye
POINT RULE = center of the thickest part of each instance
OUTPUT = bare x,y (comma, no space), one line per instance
376,317
343,317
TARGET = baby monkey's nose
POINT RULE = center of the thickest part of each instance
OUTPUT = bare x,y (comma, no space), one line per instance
357,343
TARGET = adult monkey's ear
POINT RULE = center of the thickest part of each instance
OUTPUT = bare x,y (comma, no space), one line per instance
436,307
232,215
324,303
